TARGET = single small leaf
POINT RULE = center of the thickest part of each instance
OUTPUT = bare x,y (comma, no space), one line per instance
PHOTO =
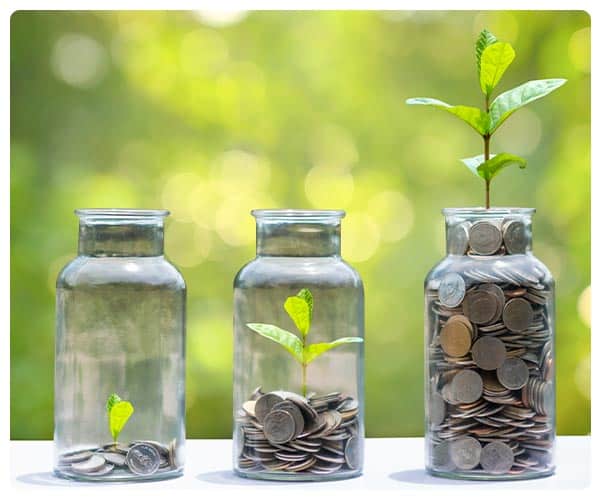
485,39
474,117
510,101
111,401
487,170
118,416
285,339
313,351
299,308
494,61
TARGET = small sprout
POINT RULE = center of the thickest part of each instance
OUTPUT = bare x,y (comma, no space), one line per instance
493,58
299,308
119,412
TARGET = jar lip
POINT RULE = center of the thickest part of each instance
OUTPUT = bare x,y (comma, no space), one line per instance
488,212
120,213
297,214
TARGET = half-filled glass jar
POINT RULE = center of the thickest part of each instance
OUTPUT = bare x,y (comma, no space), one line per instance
489,351
119,402
298,352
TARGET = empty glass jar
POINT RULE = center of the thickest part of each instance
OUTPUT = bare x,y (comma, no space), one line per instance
489,351
120,352
298,360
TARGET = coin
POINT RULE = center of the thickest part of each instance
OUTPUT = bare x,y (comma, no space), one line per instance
440,457
467,386
75,456
143,459
279,426
264,404
480,306
102,471
485,238
452,290
455,339
114,458
437,408
517,315
465,452
497,457
92,464
488,353
515,236
457,238
513,373
352,453
295,412
249,407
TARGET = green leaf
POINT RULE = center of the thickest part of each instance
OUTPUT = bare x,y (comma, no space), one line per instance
508,102
474,117
285,339
485,39
487,170
494,61
313,351
299,307
118,416
111,401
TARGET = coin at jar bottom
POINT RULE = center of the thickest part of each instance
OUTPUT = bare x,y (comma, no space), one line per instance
497,457
143,459
264,404
279,426
440,457
465,452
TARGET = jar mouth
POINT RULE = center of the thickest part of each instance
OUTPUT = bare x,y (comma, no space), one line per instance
297,215
108,214
488,212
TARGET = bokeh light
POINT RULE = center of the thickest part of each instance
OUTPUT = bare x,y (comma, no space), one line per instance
79,60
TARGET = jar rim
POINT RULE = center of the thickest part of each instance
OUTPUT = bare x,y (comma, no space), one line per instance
120,213
490,212
297,214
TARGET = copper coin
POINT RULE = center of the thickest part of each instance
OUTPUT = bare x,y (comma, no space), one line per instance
517,315
455,339
485,238
488,353
513,373
497,292
480,306
467,386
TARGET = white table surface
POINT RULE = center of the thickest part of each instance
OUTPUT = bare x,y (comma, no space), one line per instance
390,464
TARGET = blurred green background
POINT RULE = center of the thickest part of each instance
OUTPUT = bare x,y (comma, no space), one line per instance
212,114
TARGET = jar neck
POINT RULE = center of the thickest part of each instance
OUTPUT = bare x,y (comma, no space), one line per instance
296,235
137,235
487,232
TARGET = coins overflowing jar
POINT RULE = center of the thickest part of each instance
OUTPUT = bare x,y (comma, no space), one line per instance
489,351
298,367
120,352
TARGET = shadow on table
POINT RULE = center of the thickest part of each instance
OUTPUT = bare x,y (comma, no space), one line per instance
229,478
48,479
419,476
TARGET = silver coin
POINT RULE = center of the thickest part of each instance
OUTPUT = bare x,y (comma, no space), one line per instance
296,414
452,290
280,426
75,456
465,453
117,459
515,236
485,238
517,314
92,464
143,459
437,408
497,457
457,238
352,453
467,386
488,353
513,373
264,404
102,471
440,457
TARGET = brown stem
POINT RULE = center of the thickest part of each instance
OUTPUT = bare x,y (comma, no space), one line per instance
487,194
486,154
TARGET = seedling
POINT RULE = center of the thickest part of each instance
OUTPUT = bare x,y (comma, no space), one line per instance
119,412
493,58
300,309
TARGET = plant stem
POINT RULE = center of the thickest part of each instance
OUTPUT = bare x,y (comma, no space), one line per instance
304,379
486,154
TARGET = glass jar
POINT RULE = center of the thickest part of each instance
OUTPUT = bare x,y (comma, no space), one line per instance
119,404
298,409
489,351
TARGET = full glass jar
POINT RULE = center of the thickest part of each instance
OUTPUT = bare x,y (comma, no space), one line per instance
119,403
298,409
489,351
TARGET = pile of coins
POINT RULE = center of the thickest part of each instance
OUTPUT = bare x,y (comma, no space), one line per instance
490,357
285,432
138,458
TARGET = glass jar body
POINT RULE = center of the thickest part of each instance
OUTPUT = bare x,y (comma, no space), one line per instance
332,384
120,329
489,351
